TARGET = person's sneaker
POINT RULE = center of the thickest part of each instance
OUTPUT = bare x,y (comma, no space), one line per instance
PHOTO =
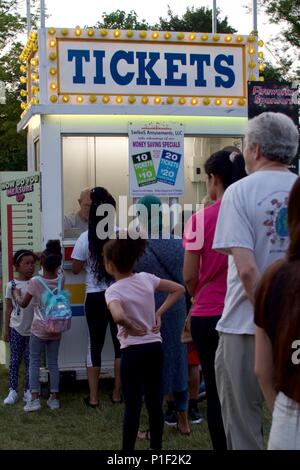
171,418
195,416
11,398
171,414
53,403
27,396
33,405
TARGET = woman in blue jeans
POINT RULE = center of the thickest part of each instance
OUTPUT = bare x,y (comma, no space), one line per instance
40,339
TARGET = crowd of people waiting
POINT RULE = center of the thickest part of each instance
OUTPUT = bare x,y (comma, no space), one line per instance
242,280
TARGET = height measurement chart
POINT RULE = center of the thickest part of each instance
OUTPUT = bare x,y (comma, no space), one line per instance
20,216
156,159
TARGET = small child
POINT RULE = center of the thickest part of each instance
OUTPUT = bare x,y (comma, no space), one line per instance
131,302
18,323
51,260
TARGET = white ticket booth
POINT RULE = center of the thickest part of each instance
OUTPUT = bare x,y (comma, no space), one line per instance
83,88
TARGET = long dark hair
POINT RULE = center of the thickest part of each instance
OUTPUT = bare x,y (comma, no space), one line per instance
99,196
282,283
228,166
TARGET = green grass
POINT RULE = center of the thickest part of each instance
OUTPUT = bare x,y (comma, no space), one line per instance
76,427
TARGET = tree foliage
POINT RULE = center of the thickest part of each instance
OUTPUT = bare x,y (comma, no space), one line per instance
12,144
194,20
119,19
287,11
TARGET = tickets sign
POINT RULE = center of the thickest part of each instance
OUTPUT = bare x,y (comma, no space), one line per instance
156,159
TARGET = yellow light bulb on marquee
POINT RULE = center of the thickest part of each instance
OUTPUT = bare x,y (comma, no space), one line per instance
194,101
180,36
52,56
65,98
181,101
145,100
168,36
157,100
53,71
228,38
216,37
129,33
170,100
79,99
131,99
92,99
64,31
119,99
192,37
51,31
155,35
52,43
204,37
53,86
103,32
53,98
229,102
117,33
239,38
143,34
78,31
91,32
218,102
206,101
105,99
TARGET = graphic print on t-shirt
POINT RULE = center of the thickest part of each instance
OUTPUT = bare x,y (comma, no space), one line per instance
276,221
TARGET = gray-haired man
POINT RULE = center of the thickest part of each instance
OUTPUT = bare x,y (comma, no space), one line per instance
252,230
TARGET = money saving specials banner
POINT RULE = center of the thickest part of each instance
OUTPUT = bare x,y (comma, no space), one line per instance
156,161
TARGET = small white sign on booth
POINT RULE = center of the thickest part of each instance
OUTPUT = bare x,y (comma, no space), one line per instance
156,160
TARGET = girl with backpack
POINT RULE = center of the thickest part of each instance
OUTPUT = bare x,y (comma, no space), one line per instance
41,338
18,323
132,305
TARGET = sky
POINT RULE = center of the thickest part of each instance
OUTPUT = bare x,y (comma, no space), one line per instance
70,13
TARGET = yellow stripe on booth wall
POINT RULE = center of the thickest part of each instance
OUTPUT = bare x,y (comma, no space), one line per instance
77,292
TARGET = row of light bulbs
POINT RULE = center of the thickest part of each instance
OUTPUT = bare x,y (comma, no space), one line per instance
180,36
106,99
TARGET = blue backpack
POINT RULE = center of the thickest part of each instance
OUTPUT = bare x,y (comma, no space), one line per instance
56,308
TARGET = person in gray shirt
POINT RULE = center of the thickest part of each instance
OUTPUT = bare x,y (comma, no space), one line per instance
78,222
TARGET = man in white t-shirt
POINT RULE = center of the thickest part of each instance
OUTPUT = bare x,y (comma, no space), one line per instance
252,230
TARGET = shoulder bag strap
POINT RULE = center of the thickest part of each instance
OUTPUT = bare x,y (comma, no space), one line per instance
41,281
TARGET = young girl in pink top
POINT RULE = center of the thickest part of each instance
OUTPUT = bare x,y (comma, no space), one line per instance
131,302
205,274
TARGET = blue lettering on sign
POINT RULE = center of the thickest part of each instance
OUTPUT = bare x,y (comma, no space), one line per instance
129,58
200,60
143,68
219,68
173,68
79,55
99,79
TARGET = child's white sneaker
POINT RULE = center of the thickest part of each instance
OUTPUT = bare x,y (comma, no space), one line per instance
11,398
33,405
27,396
53,403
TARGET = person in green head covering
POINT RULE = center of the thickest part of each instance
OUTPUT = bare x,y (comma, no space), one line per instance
163,257
150,215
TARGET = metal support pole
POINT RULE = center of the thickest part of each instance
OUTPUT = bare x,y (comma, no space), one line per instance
42,8
254,13
214,17
28,15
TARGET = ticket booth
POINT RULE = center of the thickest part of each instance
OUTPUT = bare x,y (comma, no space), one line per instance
84,88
